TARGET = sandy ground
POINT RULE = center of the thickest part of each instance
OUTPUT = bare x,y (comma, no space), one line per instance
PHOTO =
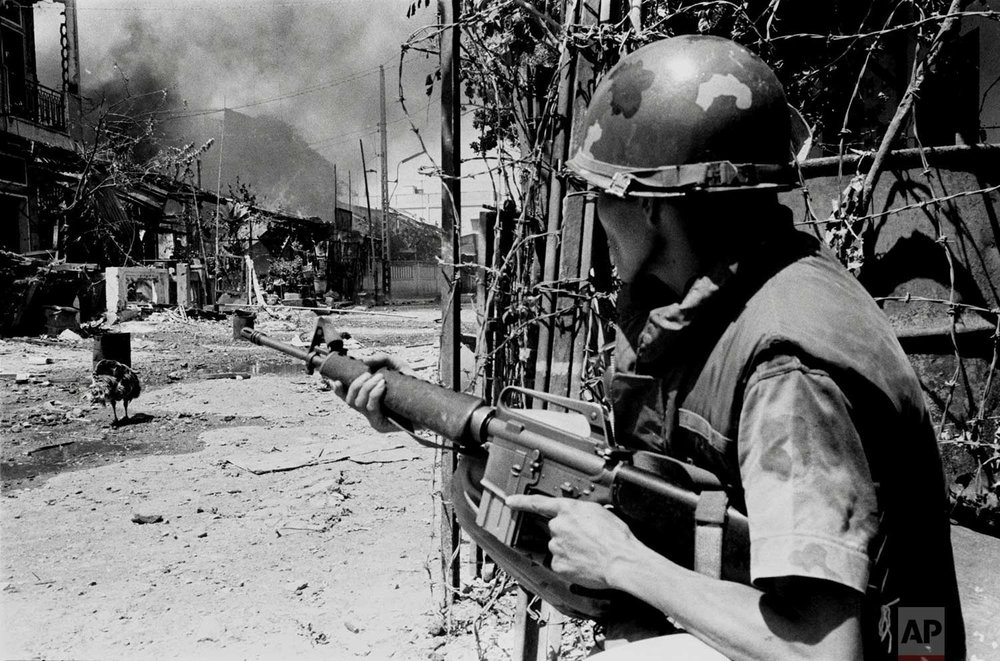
334,560
330,561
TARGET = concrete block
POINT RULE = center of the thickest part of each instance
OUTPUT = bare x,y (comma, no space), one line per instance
125,285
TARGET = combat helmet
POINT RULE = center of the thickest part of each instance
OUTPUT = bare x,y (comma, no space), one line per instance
687,113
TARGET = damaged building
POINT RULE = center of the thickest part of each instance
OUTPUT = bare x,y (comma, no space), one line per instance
40,129
40,138
68,218
303,258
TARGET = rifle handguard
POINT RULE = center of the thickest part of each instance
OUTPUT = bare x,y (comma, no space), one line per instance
443,411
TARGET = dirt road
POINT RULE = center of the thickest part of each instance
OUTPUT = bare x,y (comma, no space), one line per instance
329,561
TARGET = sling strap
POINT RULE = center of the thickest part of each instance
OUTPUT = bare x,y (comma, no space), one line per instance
710,520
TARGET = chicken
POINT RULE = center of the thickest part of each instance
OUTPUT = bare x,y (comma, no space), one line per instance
114,382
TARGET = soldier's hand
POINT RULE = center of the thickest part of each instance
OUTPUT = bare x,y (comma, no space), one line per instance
587,540
365,393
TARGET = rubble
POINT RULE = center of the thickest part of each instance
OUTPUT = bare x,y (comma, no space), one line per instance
147,518
69,336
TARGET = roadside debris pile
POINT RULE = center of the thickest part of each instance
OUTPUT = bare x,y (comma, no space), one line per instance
50,414
37,295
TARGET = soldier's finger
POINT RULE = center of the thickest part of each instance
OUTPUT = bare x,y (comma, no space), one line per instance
543,505
338,388
355,388
375,396
381,360
365,389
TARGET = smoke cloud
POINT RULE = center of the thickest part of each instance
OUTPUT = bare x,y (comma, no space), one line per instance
310,63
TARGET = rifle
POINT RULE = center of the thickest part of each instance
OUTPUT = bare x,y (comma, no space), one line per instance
677,509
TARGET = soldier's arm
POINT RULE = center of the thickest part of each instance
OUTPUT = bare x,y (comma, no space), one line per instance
795,618
798,618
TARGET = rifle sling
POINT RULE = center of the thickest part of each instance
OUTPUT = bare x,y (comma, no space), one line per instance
710,520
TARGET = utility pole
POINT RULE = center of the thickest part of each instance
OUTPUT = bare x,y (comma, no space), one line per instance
71,67
334,244
358,281
371,229
218,204
206,285
451,294
384,157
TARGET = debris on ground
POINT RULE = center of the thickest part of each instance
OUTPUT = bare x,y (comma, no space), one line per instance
147,518
69,336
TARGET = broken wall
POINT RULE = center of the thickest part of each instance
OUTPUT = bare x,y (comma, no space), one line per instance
125,285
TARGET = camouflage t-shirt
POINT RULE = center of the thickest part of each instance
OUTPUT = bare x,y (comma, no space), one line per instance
809,493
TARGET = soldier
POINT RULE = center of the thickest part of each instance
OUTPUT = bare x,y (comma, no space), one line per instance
746,349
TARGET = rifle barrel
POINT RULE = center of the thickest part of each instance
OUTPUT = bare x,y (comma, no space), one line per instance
261,338
427,405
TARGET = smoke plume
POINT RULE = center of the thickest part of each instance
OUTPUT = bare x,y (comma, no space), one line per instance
310,64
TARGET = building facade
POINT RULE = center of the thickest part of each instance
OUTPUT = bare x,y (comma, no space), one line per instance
40,129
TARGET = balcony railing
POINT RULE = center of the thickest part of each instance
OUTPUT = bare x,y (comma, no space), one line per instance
38,104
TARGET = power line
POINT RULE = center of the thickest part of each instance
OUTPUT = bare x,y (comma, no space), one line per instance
234,6
301,92
306,90
342,137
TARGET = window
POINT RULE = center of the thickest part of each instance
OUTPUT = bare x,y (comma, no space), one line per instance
11,12
13,61
14,226
13,170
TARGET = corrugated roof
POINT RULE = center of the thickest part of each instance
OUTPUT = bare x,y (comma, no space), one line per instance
110,209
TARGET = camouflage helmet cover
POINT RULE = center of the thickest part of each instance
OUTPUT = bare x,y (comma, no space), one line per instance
686,113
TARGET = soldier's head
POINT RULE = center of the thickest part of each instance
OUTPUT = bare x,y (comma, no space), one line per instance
678,132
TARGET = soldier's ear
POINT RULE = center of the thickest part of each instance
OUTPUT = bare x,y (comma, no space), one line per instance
650,209
654,209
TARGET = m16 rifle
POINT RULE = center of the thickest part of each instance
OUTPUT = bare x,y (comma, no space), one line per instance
678,510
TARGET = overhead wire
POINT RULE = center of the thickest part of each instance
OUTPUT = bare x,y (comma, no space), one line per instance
371,129
342,137
187,113
301,92
200,5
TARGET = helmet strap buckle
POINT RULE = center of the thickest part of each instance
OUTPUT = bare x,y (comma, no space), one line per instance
620,182
718,173
725,173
